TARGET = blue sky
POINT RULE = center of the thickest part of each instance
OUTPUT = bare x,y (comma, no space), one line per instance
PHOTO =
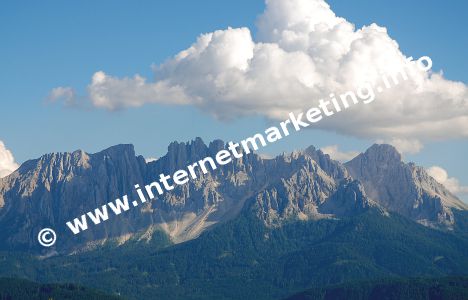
62,43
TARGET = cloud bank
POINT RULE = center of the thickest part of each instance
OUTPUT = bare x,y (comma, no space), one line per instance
451,183
303,53
7,161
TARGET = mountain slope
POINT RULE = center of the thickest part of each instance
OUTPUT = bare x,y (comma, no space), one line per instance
244,258
455,288
254,228
20,289
303,185
56,188
404,188
49,191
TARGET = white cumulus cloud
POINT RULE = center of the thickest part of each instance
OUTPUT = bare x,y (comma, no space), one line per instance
336,154
451,183
7,161
303,53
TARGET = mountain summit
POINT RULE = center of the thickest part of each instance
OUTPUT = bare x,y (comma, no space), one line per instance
303,185
404,188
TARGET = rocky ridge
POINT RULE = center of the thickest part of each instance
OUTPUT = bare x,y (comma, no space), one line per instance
304,185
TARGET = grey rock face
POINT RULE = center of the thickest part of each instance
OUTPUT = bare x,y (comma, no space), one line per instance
349,199
57,187
306,185
403,188
308,180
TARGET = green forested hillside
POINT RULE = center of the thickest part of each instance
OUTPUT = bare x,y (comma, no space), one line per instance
243,259
453,288
20,289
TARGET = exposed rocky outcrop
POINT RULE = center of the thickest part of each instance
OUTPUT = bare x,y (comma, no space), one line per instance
57,187
404,188
306,185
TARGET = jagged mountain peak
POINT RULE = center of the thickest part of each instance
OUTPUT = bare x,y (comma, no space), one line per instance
179,154
78,157
403,187
381,153
196,144
305,184
326,162
119,149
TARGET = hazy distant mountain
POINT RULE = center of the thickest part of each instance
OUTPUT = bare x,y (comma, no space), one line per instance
304,185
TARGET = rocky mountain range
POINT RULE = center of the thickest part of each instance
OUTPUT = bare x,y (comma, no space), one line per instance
303,185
